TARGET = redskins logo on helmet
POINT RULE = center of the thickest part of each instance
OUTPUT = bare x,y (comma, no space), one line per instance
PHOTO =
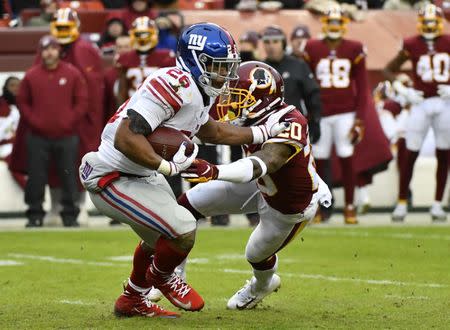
259,88
64,26
334,22
144,34
430,23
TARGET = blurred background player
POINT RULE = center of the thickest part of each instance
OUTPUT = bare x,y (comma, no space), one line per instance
135,9
137,64
430,98
339,67
301,89
9,116
279,182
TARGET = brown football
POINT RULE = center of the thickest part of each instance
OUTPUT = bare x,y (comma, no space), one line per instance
166,141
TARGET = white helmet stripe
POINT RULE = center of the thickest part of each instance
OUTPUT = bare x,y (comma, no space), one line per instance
194,55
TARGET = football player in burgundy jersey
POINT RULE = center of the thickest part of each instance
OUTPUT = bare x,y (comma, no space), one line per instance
137,64
125,178
281,183
430,98
339,67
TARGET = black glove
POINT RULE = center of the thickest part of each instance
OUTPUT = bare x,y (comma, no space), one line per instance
314,131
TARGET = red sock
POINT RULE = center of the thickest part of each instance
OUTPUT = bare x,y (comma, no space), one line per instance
441,173
406,173
141,262
167,256
184,201
348,178
401,153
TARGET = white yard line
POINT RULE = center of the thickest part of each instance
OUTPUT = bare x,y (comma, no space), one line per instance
346,279
76,302
327,232
406,297
64,260
10,263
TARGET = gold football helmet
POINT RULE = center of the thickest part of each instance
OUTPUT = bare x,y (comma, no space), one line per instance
430,23
144,34
334,22
65,26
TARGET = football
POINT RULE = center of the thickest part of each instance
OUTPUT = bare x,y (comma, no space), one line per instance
166,141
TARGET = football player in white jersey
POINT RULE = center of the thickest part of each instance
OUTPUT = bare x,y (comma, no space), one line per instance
125,177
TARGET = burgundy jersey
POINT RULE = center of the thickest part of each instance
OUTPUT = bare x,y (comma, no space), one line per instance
341,74
290,189
140,66
430,61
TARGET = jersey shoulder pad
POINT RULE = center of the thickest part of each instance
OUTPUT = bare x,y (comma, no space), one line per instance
409,44
124,59
170,87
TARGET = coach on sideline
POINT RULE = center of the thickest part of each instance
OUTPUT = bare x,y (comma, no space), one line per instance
52,99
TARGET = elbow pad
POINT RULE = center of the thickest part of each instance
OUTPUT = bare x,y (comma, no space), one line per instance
241,171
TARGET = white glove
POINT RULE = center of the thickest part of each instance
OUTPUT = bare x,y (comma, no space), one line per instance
179,162
444,91
272,127
324,193
412,96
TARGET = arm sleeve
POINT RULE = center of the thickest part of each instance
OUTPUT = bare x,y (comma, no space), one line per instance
152,111
24,99
311,92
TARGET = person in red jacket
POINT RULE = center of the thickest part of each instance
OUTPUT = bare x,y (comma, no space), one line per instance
52,99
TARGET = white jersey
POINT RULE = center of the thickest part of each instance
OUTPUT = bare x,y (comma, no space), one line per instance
8,128
168,97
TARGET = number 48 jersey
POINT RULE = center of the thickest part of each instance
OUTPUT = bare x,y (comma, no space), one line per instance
337,71
290,189
430,60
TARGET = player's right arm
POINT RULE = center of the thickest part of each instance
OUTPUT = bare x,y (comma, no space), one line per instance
130,139
394,65
268,160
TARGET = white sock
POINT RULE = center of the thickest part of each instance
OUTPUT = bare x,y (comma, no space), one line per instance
137,288
263,277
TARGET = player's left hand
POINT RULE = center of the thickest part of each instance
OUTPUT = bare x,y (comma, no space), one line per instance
356,133
272,127
444,91
200,171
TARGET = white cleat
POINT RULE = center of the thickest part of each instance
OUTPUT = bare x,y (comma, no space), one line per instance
400,212
247,297
437,212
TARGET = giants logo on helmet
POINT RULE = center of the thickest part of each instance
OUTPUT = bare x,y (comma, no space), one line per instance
196,42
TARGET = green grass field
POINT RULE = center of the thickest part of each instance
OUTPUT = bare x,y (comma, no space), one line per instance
364,278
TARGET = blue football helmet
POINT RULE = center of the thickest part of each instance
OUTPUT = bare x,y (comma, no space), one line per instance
209,53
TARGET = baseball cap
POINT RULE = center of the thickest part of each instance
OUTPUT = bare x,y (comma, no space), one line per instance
300,31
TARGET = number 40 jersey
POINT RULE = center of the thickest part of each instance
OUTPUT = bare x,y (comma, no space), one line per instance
430,60
290,189
341,74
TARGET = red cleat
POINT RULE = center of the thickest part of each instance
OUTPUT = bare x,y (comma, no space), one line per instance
133,303
177,291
